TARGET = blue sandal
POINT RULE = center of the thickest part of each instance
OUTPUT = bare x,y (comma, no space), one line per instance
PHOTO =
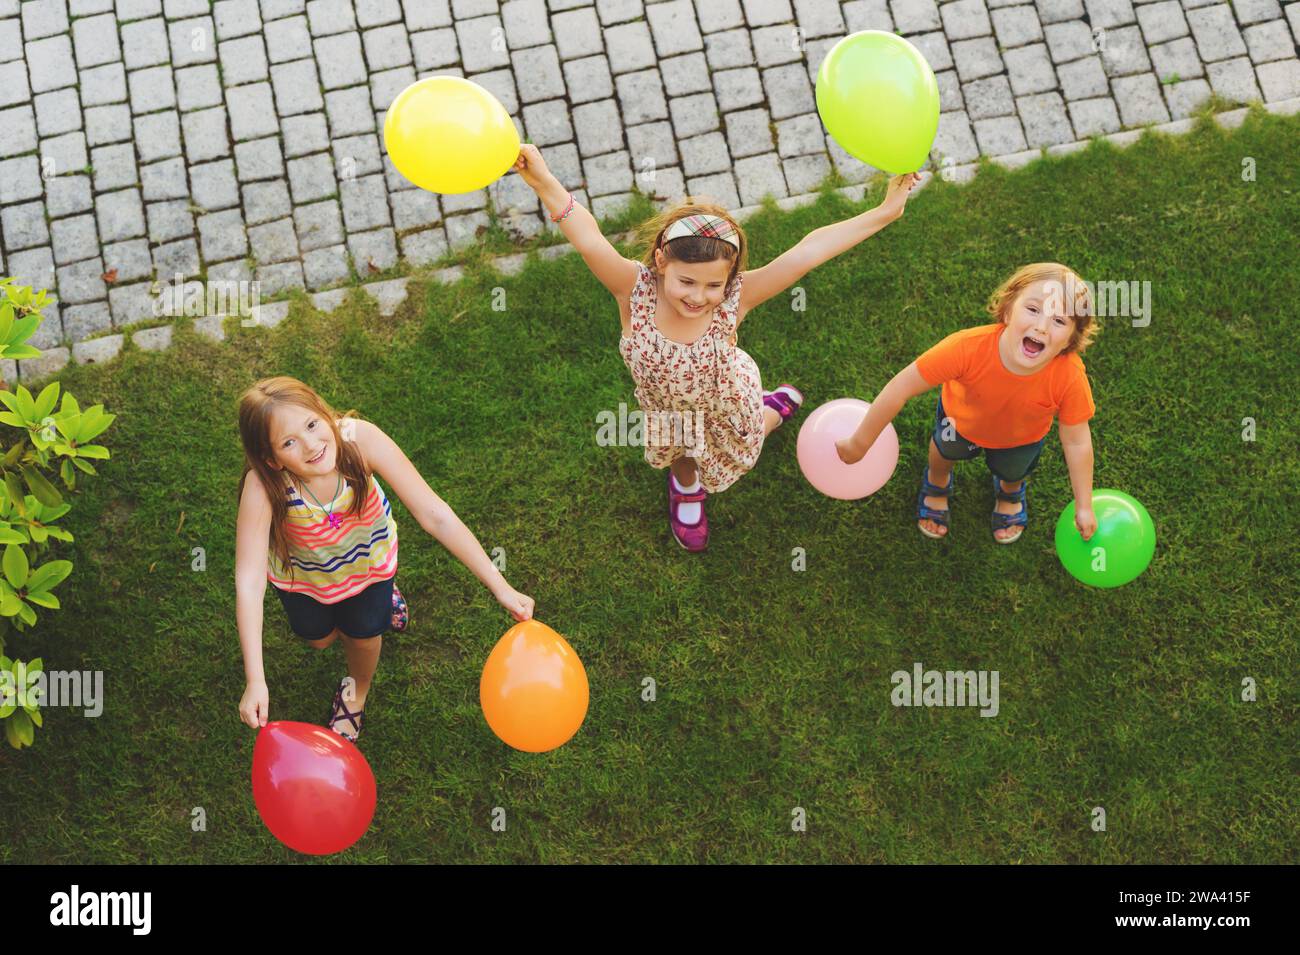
1021,519
924,513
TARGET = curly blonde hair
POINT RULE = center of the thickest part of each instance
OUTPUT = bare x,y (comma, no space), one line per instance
1078,305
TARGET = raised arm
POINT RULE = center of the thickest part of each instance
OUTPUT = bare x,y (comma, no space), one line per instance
824,244
252,532
907,384
616,273
435,516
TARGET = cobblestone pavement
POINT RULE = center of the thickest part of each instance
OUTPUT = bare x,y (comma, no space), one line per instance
242,138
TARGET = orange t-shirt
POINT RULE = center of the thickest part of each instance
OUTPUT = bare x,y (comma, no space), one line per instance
995,408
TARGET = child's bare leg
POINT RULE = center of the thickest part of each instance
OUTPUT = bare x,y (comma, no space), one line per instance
685,471
1007,507
363,659
940,469
771,420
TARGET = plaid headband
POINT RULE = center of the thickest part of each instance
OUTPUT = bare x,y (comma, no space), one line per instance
711,227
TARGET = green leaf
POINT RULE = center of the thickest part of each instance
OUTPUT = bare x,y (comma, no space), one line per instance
10,604
96,451
68,424
15,490
19,351
13,454
68,474
35,714
11,535
15,565
52,514
69,405
9,400
27,614
48,576
23,329
98,426
18,728
45,492
9,418
26,406
46,400
38,533
44,599
59,533
84,465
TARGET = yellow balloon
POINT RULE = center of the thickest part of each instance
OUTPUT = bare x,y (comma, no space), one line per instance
448,134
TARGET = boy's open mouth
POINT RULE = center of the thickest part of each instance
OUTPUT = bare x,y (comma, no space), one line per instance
1031,346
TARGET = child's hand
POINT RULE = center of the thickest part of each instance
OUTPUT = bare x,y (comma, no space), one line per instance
1086,521
519,605
899,188
847,451
531,166
255,705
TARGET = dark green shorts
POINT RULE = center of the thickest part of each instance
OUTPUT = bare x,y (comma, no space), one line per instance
1010,464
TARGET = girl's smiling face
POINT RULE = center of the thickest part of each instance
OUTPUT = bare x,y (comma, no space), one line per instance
693,288
1037,328
302,441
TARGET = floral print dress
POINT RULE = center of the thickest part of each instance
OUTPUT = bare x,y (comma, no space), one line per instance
711,378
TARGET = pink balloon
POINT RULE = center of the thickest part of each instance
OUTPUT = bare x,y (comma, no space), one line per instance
822,466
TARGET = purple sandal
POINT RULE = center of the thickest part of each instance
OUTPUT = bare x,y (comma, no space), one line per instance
785,401
357,719
693,537
401,614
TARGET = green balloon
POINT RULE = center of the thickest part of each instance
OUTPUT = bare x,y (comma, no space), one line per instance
878,98
1121,548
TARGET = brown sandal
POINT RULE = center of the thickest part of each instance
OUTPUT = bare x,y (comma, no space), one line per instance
357,719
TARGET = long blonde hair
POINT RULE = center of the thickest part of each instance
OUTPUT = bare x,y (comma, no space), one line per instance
1078,309
256,407
693,248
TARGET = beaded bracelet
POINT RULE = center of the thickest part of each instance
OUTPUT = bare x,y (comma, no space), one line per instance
567,210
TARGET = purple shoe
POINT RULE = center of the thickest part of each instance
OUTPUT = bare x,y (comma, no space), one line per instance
401,615
785,401
694,537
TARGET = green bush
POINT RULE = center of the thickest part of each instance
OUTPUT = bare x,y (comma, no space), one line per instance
44,443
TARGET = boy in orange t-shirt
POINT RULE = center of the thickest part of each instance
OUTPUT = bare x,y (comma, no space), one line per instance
1002,386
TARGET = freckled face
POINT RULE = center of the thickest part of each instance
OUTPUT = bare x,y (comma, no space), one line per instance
1037,328
693,288
302,441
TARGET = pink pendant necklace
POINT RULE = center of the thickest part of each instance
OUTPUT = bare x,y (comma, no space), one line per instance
334,520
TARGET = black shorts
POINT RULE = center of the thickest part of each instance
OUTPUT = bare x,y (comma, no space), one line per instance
1010,464
367,614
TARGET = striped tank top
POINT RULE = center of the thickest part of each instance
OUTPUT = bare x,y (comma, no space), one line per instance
333,563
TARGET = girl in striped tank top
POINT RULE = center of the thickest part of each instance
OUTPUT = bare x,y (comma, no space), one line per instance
315,522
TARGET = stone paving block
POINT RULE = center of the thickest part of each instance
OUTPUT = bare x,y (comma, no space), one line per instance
598,126
1044,120
387,47
915,16
548,123
20,179
819,18
1279,80
179,256
759,177
607,174
805,173
737,89
1234,80
289,39
324,267
539,67
934,47
120,215
252,111
206,134
674,27
1016,26
702,155
259,159
728,49
95,40
11,41
130,260
312,178
280,277
776,45
327,17
965,19
52,361
588,79
82,321
641,96
377,250
1256,11
243,60
43,18
1138,99
236,18
525,23
799,136
1216,33
719,188
65,195
169,220
82,282
988,97
349,112
304,134
434,48
1000,136
365,203
357,156
14,87
501,84
1069,40
164,180
297,87
134,303
273,242
103,85
749,133
1123,52
24,225
193,41
213,185
266,201
950,97
1083,79
144,43
1176,59
415,210
480,51
74,239
340,60
20,124
1104,14
1186,97
152,90
108,124
114,166
695,114
978,58
1162,22
867,15
158,136
1269,41
788,91
372,13
65,153
629,47
58,112
1029,70
653,141
198,87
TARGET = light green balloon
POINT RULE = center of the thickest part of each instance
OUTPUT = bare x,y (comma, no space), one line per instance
1121,548
878,98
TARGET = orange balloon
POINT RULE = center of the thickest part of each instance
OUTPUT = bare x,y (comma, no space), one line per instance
534,689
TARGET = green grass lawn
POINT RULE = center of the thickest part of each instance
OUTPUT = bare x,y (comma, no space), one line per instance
773,685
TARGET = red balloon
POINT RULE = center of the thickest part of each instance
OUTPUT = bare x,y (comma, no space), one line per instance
313,789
